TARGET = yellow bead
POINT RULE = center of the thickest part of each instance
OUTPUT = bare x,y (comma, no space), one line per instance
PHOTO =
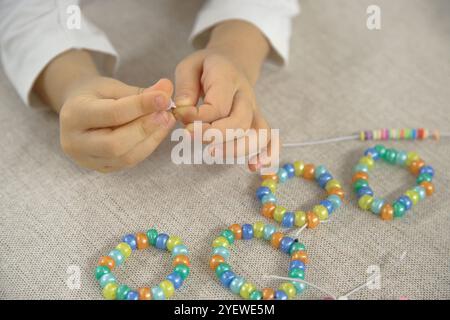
298,167
367,161
220,242
321,212
412,156
125,249
333,183
289,289
300,218
172,242
246,290
110,290
167,287
258,229
278,213
413,195
365,202
272,185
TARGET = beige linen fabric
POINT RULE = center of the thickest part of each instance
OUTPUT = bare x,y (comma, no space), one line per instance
341,78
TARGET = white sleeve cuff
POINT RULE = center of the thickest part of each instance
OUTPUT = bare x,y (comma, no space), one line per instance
272,17
27,50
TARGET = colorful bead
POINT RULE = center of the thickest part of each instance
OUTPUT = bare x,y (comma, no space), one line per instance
107,261
424,177
268,198
300,218
180,249
271,184
118,257
365,202
323,179
268,294
183,270
222,268
289,289
142,241
269,230
299,167
145,293
428,186
222,251
312,220
278,213
289,168
236,284
321,212
282,175
152,234
377,205
281,295
421,191
296,246
256,295
262,191
122,292
107,278
109,291
286,243
161,241
428,170
247,231
237,231
125,249
100,271
132,295
320,170
226,278
268,209
168,288
131,240
158,293
181,259
258,229
364,191
229,235
176,279
288,220
308,171
367,161
399,209
405,201
387,212
215,261
246,290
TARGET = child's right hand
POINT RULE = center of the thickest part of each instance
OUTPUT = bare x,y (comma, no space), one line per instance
107,125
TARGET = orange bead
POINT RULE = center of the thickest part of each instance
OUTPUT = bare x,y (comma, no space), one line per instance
337,191
142,240
237,230
267,209
428,186
360,175
215,261
276,239
268,294
145,293
272,176
415,166
301,256
107,262
308,171
387,212
312,220
181,259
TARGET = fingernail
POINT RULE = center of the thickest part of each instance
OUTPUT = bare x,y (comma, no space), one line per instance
160,102
183,100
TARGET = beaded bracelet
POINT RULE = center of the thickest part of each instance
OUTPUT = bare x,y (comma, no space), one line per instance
266,194
237,284
113,291
378,206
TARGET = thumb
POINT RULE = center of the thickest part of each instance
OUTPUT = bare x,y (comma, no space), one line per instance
187,82
162,85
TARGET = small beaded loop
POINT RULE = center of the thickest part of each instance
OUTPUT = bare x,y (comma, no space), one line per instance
399,207
237,284
180,261
289,219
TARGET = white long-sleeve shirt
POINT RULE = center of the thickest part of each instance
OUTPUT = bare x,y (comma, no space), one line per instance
33,32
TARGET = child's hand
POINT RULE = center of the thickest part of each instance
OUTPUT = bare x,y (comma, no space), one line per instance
228,102
107,125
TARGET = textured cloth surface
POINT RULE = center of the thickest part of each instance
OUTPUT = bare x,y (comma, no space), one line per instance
342,78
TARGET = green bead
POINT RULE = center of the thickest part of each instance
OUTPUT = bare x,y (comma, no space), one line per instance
229,235
278,213
413,195
297,246
256,295
221,268
399,209
381,150
183,270
424,177
365,202
390,156
246,290
359,184
220,242
122,292
100,271
258,229
297,273
152,234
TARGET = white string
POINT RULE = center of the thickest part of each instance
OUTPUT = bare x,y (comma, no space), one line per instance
271,276
317,142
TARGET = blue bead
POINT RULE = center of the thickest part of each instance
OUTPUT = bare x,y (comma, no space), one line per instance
262,191
323,179
427,169
280,295
296,264
421,191
222,251
286,243
247,231
335,200
377,205
288,220
236,284
373,153
227,277
401,158
319,171
117,256
269,229
176,279
289,169
157,293
405,201
269,198
107,278
327,204
180,249
132,295
299,286
363,191
361,168
282,175
161,241
131,240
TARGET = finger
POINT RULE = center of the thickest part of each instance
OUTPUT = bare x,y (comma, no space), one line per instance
115,89
268,159
187,81
103,113
114,143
